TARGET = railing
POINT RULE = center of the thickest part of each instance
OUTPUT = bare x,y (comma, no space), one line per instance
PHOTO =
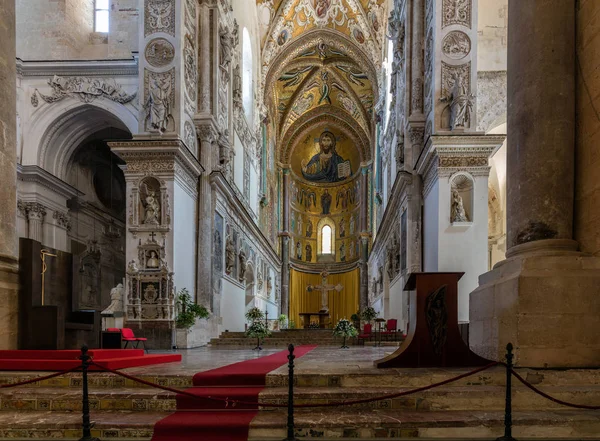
87,361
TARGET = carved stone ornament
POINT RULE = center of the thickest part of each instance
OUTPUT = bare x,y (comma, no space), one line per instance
190,69
456,12
457,213
62,220
456,90
463,161
159,16
160,101
456,45
84,88
229,254
159,52
416,135
32,210
189,135
399,148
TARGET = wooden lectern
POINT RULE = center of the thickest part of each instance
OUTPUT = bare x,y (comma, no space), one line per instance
434,339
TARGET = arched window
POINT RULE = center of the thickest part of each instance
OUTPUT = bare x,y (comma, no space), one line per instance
247,77
101,16
326,239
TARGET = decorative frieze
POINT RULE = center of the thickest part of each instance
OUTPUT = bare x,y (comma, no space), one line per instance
84,88
456,45
456,12
159,52
159,16
62,219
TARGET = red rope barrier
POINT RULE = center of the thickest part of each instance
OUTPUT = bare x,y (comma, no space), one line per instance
36,379
555,400
340,403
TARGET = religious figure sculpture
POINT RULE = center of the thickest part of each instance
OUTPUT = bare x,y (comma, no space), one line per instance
226,154
153,262
225,48
461,102
298,251
132,267
458,213
309,229
116,300
242,258
229,255
326,165
308,253
152,208
324,288
158,104
326,201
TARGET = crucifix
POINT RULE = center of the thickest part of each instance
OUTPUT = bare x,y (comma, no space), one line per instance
324,287
43,253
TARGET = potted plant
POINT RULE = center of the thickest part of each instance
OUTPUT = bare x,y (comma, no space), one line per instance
356,319
258,328
282,321
187,314
344,329
368,314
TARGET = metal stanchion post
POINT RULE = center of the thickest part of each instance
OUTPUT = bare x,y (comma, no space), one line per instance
290,423
508,409
85,364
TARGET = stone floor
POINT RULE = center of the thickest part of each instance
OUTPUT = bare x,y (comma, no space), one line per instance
471,408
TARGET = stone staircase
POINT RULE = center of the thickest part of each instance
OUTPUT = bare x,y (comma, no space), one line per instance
322,337
472,408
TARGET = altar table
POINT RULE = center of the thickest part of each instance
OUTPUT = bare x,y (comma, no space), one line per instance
307,315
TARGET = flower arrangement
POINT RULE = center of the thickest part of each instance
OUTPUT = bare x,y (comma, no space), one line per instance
368,314
188,310
282,321
344,328
258,328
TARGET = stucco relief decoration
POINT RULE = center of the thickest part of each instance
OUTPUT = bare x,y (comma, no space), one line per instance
84,88
226,154
160,88
159,52
456,45
190,68
159,17
189,134
456,12
428,71
456,90
322,11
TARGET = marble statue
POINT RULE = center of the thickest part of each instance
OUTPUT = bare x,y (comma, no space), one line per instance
225,48
458,213
229,255
153,262
116,300
151,207
461,102
242,258
158,104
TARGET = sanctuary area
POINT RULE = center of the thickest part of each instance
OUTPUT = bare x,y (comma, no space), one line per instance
400,189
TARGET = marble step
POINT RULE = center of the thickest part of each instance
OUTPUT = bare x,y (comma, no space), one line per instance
69,400
371,424
283,334
276,342
464,398
347,376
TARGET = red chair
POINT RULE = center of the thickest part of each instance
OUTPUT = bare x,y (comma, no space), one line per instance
391,328
128,336
366,333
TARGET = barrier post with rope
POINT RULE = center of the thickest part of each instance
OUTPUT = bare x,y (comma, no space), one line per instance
85,364
290,420
508,407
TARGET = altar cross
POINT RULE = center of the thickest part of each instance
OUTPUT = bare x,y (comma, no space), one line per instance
324,287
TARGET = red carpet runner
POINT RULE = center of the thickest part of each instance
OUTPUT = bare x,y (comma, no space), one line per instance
209,420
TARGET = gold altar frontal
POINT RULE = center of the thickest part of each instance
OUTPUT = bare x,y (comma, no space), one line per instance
341,304
306,316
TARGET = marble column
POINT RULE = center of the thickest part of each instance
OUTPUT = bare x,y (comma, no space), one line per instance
545,297
363,300
8,180
285,244
36,213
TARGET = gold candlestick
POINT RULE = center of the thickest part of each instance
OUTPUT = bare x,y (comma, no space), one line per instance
43,253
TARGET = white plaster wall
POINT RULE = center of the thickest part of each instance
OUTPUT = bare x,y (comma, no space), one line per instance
431,229
464,249
254,190
397,299
492,35
238,163
233,307
184,239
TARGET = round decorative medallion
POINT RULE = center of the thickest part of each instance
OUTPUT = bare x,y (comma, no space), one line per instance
456,45
159,52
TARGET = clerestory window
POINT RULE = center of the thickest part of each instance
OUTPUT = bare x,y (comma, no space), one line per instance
326,239
101,16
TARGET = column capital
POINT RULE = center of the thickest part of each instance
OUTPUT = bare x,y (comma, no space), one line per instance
206,130
33,210
62,219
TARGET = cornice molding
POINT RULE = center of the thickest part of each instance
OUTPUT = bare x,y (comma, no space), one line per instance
331,268
93,68
37,175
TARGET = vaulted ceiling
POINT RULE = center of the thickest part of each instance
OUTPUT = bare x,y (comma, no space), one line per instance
319,59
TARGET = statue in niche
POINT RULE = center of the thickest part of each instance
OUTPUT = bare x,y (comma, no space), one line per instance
458,213
151,205
152,262
342,252
326,201
229,254
300,225
226,154
225,47
298,251
308,252
242,258
158,104
461,102
309,229
342,228
327,165
116,300
352,225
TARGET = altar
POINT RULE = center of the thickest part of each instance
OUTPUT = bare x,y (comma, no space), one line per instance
323,315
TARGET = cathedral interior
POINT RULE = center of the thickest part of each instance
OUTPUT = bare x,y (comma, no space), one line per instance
305,159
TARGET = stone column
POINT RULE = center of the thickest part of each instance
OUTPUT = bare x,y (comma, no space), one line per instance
8,180
545,297
285,244
36,213
364,239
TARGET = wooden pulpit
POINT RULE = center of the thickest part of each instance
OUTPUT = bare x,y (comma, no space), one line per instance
433,339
